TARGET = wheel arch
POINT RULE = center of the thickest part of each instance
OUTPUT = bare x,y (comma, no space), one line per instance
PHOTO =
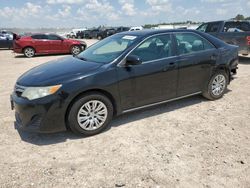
223,68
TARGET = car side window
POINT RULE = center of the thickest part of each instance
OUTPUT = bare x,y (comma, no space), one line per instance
213,27
189,43
154,48
53,37
39,37
233,27
202,28
245,26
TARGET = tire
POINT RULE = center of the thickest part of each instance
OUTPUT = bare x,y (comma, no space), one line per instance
216,86
83,121
29,52
75,50
99,37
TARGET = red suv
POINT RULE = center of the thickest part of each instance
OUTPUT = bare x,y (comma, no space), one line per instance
47,44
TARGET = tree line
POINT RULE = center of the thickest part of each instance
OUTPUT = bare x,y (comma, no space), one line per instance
237,17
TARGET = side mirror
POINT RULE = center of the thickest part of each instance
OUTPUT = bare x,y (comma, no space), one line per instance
133,60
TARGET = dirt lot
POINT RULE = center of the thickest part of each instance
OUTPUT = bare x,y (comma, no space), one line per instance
188,143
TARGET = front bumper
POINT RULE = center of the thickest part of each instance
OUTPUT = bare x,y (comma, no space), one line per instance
45,115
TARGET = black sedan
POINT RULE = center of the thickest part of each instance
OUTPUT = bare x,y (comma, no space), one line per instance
122,73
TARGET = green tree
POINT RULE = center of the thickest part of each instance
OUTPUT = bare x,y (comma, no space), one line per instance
239,17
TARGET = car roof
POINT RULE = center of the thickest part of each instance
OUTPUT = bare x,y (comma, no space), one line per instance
148,32
227,21
31,34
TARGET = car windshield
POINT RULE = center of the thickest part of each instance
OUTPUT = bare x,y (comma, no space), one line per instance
109,49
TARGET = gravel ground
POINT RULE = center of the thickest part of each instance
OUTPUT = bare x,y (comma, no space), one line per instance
187,143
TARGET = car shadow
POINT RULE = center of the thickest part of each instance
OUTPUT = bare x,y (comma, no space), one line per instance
5,49
54,138
244,60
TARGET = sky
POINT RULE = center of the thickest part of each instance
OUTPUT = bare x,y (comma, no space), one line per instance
89,13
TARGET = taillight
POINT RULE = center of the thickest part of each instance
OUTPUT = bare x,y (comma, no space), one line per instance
248,40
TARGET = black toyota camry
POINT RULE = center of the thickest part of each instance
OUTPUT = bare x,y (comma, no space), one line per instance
122,73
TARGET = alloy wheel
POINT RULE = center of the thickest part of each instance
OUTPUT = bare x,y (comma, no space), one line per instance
76,50
218,85
92,115
29,52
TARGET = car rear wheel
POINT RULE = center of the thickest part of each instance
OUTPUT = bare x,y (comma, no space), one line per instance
217,86
99,37
75,50
29,52
90,114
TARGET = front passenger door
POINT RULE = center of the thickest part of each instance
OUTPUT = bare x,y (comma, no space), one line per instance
155,79
55,44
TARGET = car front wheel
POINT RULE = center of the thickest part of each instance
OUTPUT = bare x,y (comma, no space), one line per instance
29,52
217,86
90,114
75,50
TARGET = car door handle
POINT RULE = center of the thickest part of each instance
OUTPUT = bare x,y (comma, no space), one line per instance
169,66
213,57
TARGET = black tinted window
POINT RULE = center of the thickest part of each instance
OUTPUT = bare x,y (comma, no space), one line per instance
190,43
236,26
39,37
53,37
245,26
213,27
154,48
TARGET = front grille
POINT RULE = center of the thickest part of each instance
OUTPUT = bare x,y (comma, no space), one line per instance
19,90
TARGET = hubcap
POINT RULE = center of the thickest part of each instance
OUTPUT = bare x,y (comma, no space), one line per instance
218,85
76,50
29,52
92,115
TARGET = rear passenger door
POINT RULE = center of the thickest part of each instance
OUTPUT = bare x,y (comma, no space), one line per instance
197,56
40,43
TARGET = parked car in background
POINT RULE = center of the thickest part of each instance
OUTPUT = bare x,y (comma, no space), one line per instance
83,34
122,73
6,39
121,29
73,33
103,33
136,28
47,44
232,32
94,33
3,37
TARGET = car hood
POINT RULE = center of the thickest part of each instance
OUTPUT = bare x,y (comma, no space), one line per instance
57,72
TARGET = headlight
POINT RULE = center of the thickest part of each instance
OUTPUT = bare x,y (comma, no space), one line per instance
32,93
